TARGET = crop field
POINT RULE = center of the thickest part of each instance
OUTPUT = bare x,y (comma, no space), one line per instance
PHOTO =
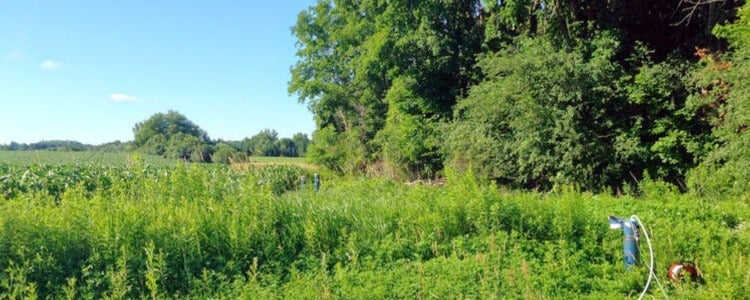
206,231
80,157
121,158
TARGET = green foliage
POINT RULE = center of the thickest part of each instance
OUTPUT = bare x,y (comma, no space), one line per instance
287,148
341,152
723,99
49,181
188,148
265,143
172,135
662,136
357,59
536,93
301,142
66,146
226,154
546,116
409,143
203,231
49,145
268,143
81,158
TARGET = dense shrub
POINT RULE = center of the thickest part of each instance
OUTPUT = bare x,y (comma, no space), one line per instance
723,98
546,115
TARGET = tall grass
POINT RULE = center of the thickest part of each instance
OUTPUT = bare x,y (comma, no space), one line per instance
194,231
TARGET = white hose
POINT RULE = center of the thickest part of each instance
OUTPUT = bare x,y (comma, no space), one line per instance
652,265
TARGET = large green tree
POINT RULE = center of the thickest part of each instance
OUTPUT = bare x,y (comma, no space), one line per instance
353,54
265,143
172,135
301,142
526,92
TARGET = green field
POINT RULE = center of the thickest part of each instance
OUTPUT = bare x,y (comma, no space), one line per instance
210,231
116,158
80,157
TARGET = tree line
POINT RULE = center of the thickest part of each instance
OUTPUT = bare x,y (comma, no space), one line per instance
64,145
53,145
172,135
530,93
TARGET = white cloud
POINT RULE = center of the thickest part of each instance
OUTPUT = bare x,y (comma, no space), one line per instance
14,55
50,64
122,98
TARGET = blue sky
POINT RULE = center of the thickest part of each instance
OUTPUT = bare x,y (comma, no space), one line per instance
88,70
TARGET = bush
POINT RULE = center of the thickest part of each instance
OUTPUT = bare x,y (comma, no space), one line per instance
226,154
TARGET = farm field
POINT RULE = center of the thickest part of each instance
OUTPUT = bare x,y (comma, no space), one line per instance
80,157
206,231
120,158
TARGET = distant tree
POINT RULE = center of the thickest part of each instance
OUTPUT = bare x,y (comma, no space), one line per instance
169,125
188,147
246,146
265,143
301,141
15,146
287,148
116,146
57,145
174,136
226,153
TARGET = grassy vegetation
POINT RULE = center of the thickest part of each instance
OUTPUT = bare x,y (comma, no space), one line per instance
204,231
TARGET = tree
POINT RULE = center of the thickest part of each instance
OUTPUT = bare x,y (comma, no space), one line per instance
226,153
301,141
265,143
287,148
340,152
409,145
540,116
529,93
351,54
546,115
172,135
723,99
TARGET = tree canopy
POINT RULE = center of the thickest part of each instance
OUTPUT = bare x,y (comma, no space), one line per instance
528,93
172,135
723,98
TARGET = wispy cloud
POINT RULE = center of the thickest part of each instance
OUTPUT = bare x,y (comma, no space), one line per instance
122,98
50,64
14,55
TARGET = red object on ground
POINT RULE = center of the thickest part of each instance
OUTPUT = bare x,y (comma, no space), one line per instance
677,269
